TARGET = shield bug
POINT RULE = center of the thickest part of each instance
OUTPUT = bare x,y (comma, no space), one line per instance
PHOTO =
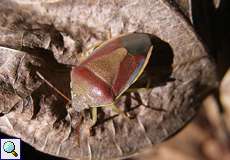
109,71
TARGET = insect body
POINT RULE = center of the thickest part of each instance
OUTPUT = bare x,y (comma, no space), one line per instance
109,71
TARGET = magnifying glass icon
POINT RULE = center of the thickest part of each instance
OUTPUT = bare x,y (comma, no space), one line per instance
9,147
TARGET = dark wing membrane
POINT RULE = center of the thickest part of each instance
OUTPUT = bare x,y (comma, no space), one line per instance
130,70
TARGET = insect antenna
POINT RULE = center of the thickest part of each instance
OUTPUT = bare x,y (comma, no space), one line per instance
49,84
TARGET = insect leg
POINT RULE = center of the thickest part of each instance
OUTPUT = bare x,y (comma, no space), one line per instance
117,110
130,90
109,34
148,85
88,51
94,46
94,115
